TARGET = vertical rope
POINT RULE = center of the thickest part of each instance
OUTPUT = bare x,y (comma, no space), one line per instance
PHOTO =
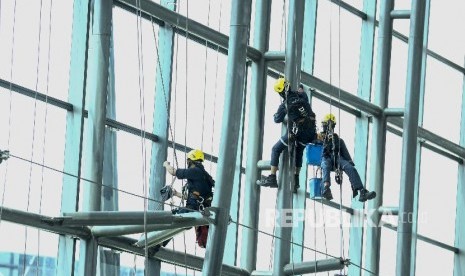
186,117
45,128
339,131
33,130
216,89
10,105
142,123
205,78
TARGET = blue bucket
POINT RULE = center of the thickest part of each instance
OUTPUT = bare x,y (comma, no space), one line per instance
314,185
314,153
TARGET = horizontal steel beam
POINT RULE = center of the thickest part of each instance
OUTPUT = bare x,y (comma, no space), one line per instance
177,258
398,112
333,205
400,14
335,94
425,239
181,22
432,138
40,222
155,238
383,210
36,95
275,56
312,267
264,164
115,218
121,243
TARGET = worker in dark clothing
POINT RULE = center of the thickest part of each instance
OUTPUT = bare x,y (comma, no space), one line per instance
301,129
199,182
336,156
198,190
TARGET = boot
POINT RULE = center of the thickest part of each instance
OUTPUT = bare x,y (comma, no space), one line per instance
296,183
269,181
366,195
327,193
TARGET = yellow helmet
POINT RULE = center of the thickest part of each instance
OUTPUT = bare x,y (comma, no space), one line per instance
195,155
280,85
329,117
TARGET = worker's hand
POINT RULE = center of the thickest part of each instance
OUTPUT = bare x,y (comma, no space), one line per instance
166,163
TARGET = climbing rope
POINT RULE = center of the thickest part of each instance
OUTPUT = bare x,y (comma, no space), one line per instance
140,59
33,140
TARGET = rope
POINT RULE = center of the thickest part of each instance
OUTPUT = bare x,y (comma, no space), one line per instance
10,104
142,123
33,132
45,126
216,89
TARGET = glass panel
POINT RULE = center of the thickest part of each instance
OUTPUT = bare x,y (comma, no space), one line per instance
443,104
387,264
323,233
450,43
428,258
135,69
278,25
438,177
40,58
337,46
197,96
398,75
392,170
33,134
215,14
31,252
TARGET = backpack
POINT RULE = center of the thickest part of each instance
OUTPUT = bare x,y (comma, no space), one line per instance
297,107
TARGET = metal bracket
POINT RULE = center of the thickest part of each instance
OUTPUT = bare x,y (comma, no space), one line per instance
4,155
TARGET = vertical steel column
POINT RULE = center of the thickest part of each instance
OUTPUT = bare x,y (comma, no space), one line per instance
230,250
255,136
378,142
308,51
97,89
74,129
459,258
109,259
409,141
421,99
159,153
282,246
361,133
235,76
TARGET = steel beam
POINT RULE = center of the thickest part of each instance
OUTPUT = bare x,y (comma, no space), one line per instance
398,112
282,245
459,257
233,101
378,146
400,14
274,55
251,196
409,141
313,267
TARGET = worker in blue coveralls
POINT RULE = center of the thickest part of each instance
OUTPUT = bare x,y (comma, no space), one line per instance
336,156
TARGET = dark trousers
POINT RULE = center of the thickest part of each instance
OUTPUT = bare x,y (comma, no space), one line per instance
327,166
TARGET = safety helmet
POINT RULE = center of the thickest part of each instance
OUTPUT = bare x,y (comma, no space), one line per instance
195,155
329,117
280,85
